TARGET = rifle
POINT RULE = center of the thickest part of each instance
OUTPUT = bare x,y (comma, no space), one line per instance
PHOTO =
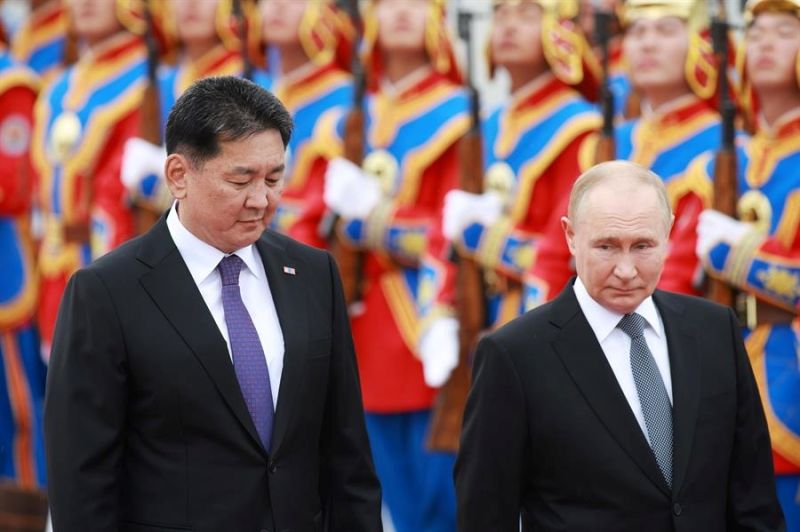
349,259
606,150
725,179
150,125
445,430
241,23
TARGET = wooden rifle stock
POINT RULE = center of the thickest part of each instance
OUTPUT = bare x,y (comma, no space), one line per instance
22,509
606,149
241,21
349,259
725,202
150,125
445,431
725,178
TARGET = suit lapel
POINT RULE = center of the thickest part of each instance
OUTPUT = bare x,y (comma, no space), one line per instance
685,369
288,295
586,363
173,290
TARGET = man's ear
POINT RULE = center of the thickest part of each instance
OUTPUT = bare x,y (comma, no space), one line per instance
569,233
176,171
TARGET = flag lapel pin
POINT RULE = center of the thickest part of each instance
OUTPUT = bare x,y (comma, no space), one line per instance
289,270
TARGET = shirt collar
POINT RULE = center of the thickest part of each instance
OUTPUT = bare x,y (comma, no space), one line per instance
603,321
202,258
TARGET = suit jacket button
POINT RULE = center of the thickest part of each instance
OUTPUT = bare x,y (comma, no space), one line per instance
271,466
676,509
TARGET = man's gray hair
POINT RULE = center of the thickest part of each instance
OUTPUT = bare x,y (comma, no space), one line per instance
615,170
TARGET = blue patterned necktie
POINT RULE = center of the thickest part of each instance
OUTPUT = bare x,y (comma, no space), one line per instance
652,393
248,355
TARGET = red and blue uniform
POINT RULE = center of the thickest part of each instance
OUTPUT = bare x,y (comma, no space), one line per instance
22,372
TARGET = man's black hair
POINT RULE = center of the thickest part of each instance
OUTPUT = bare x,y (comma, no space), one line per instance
222,109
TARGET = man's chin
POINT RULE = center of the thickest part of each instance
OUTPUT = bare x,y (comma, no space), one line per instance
625,301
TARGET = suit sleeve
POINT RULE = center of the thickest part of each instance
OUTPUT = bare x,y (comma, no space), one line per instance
84,413
490,466
752,500
351,493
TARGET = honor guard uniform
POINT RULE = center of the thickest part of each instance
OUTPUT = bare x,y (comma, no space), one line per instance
81,123
415,112
22,372
208,38
43,42
534,147
759,255
309,43
668,50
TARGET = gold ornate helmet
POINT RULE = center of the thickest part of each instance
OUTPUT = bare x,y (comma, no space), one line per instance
327,34
566,50
753,9
438,44
700,68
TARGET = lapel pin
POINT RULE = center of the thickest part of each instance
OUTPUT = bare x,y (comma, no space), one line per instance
289,270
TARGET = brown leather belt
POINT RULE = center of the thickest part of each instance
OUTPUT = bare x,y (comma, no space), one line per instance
758,312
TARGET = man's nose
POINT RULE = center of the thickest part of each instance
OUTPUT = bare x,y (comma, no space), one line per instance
257,196
625,268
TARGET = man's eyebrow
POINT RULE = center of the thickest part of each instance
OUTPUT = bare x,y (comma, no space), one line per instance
605,238
248,170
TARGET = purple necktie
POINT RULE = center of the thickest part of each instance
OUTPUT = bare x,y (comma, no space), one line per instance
248,355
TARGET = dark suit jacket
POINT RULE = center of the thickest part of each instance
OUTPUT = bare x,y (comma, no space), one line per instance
548,433
146,428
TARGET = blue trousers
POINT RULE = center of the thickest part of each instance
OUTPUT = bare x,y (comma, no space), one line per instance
22,380
417,484
789,497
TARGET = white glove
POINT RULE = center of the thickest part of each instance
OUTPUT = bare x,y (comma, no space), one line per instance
714,227
139,160
348,191
464,208
438,350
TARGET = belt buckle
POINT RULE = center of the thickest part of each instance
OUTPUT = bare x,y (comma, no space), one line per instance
747,309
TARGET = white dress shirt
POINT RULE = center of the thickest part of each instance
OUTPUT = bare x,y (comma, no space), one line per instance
617,345
202,260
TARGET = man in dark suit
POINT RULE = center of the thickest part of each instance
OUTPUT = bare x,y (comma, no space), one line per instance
616,406
203,375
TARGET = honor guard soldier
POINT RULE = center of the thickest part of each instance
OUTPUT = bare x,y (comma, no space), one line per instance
22,371
413,115
309,43
81,124
208,37
668,50
759,254
534,147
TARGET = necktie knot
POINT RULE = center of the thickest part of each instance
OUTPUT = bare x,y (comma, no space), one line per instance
229,269
632,325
